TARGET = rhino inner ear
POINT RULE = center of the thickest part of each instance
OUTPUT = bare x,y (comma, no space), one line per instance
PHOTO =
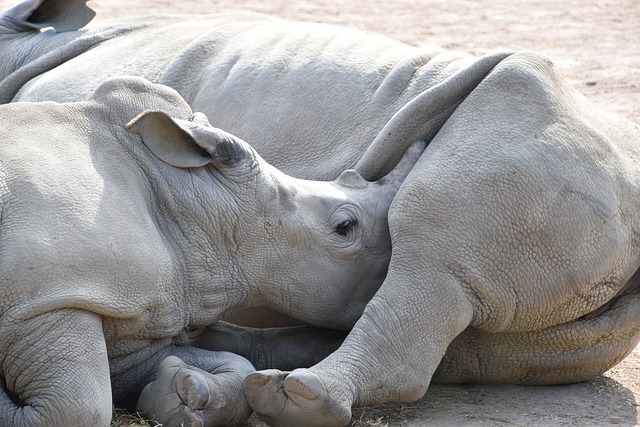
168,141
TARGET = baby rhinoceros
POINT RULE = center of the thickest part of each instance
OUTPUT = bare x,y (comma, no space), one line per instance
126,219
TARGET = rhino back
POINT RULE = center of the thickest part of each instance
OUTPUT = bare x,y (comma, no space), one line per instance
317,92
125,47
309,97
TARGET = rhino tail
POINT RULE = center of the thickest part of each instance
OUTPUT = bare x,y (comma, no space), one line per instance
422,117
62,15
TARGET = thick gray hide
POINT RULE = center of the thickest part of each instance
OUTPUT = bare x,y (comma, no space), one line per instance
513,237
122,228
268,81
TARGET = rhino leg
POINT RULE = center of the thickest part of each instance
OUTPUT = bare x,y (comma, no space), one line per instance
381,360
294,398
55,372
393,349
197,387
567,353
284,348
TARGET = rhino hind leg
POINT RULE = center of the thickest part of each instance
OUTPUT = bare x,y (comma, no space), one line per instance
293,399
572,352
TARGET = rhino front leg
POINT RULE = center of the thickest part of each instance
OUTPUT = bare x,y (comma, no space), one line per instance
198,388
55,371
283,348
389,356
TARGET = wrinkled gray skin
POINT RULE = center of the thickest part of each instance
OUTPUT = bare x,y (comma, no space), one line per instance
518,267
515,237
113,244
271,82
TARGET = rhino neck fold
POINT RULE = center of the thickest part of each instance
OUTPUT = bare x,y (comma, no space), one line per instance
201,216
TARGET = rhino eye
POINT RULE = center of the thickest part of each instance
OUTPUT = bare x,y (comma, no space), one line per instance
345,226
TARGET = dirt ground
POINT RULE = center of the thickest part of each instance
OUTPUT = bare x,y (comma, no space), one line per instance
596,44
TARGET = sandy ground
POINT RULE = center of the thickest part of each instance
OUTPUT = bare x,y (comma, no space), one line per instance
596,44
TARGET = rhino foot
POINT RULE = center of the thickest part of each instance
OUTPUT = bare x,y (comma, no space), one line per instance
284,399
183,395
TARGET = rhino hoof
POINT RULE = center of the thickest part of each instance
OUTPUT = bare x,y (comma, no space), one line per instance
173,396
192,388
183,395
298,398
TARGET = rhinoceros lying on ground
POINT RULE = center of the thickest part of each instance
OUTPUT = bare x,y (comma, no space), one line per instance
311,97
516,247
109,253
515,238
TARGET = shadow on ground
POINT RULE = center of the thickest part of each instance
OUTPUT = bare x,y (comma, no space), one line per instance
600,402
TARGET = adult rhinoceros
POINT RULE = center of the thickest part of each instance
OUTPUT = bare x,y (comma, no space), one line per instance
516,247
111,248
309,98
515,238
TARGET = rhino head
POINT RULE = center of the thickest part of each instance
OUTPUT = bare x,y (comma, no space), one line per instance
313,250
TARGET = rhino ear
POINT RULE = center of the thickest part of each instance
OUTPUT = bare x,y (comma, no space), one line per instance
167,140
188,144
68,15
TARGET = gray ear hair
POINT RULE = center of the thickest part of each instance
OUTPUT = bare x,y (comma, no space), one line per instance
168,140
